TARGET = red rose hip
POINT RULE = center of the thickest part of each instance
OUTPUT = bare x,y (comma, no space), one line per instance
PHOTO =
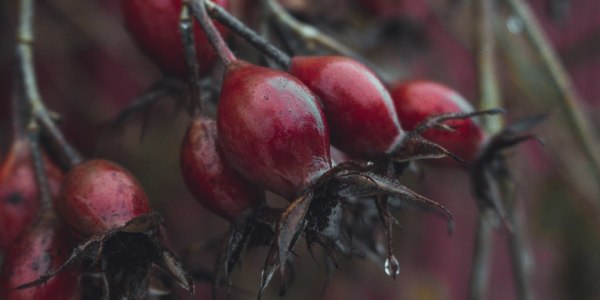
359,109
272,129
19,193
215,184
417,100
154,25
99,195
42,249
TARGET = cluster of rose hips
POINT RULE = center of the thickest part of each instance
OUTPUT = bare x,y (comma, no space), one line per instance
97,202
274,131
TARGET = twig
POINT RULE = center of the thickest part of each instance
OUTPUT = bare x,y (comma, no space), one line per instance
309,34
198,9
576,118
26,91
481,257
313,36
18,112
38,165
30,89
256,40
489,98
187,38
520,255
486,56
165,86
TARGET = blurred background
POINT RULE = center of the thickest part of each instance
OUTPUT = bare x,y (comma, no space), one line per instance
89,69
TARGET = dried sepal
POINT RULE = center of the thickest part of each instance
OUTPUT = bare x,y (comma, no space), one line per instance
124,255
491,168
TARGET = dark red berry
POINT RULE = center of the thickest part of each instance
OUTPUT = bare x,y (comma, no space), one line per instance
417,100
19,203
359,109
41,249
272,129
216,185
99,195
154,25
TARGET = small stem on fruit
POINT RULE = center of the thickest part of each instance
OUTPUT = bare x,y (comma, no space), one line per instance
38,165
26,74
313,36
186,28
19,112
580,126
198,9
309,34
71,155
256,40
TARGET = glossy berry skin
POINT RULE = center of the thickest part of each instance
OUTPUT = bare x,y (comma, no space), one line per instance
215,184
41,249
417,100
99,195
272,129
154,24
359,109
19,193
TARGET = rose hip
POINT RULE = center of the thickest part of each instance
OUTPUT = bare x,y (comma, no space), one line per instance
41,249
359,109
272,129
417,100
105,206
154,25
99,195
19,192
216,185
